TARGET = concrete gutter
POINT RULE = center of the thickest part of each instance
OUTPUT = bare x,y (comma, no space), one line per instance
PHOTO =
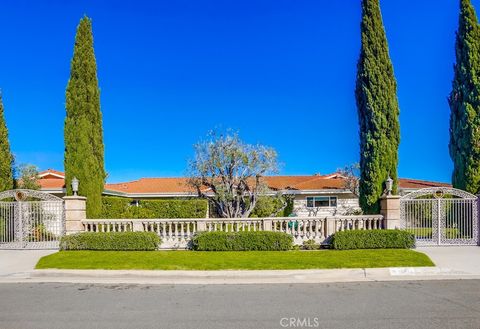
237,277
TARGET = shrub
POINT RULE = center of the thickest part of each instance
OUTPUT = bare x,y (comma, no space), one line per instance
242,241
110,241
373,239
310,245
118,208
268,206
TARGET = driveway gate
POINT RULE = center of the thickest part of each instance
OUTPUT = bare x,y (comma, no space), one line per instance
30,220
441,216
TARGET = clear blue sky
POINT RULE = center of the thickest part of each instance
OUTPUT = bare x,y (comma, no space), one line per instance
281,72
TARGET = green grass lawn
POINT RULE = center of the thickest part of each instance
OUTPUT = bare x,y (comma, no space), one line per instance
233,260
426,232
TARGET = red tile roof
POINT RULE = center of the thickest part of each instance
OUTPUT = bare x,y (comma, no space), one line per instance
408,183
152,185
180,186
51,183
51,173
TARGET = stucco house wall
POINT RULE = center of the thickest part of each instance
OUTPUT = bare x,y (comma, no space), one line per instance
347,203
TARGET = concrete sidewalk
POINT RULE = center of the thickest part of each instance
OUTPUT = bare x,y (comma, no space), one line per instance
20,263
452,263
459,258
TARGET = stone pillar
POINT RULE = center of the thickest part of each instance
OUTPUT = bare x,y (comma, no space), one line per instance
201,225
331,226
137,226
390,209
267,224
75,213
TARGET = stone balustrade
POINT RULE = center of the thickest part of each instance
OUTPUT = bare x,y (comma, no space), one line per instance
177,233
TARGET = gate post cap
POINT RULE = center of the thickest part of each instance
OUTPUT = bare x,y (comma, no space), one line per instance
391,196
74,197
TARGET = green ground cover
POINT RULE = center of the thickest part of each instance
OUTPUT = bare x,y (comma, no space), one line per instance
231,260
426,232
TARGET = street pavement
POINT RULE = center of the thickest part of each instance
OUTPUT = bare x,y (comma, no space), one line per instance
405,304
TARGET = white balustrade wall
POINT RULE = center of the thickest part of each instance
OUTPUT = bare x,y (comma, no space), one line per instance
176,233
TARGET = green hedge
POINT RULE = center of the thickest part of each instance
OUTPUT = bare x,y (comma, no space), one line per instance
242,241
268,205
110,241
373,239
118,208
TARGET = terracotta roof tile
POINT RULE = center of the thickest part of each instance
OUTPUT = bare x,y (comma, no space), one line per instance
417,184
51,183
179,185
50,173
153,185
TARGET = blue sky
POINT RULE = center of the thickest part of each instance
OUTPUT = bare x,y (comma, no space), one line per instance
280,72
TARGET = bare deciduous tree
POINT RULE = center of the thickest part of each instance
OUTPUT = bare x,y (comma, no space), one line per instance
351,177
229,173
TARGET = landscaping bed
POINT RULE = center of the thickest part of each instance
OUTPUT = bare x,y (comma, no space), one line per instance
232,260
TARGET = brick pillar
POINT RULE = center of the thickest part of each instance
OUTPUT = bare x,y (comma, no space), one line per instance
390,209
75,212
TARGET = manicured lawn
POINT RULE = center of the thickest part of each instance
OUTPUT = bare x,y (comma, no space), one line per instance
232,260
426,232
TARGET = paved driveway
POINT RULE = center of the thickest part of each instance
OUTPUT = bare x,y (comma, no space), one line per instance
462,259
17,263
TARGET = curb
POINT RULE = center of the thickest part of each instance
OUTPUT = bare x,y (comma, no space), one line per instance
240,277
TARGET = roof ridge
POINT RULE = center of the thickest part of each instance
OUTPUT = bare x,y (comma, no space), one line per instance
423,180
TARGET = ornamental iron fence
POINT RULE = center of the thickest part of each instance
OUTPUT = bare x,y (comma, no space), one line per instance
441,216
30,220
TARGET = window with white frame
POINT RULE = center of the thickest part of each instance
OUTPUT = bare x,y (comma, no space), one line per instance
321,201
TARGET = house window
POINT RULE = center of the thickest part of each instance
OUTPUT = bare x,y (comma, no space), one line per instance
321,201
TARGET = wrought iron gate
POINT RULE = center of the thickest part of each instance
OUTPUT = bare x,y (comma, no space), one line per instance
441,216
30,220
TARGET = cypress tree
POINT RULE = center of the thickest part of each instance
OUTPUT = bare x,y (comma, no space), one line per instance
464,103
6,157
84,150
377,105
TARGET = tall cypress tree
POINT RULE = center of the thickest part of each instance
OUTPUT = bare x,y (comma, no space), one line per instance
6,157
84,150
377,105
464,103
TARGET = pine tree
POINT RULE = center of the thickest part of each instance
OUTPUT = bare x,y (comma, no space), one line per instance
464,103
6,157
377,105
84,150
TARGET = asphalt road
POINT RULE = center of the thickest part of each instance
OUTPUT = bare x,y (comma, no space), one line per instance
427,304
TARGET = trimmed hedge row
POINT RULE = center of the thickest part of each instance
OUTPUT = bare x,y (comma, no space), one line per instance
242,241
118,208
373,239
125,241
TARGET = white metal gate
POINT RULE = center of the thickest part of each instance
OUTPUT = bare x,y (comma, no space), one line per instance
441,216
30,220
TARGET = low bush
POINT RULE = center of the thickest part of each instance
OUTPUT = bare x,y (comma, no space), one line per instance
242,241
310,245
110,241
373,239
